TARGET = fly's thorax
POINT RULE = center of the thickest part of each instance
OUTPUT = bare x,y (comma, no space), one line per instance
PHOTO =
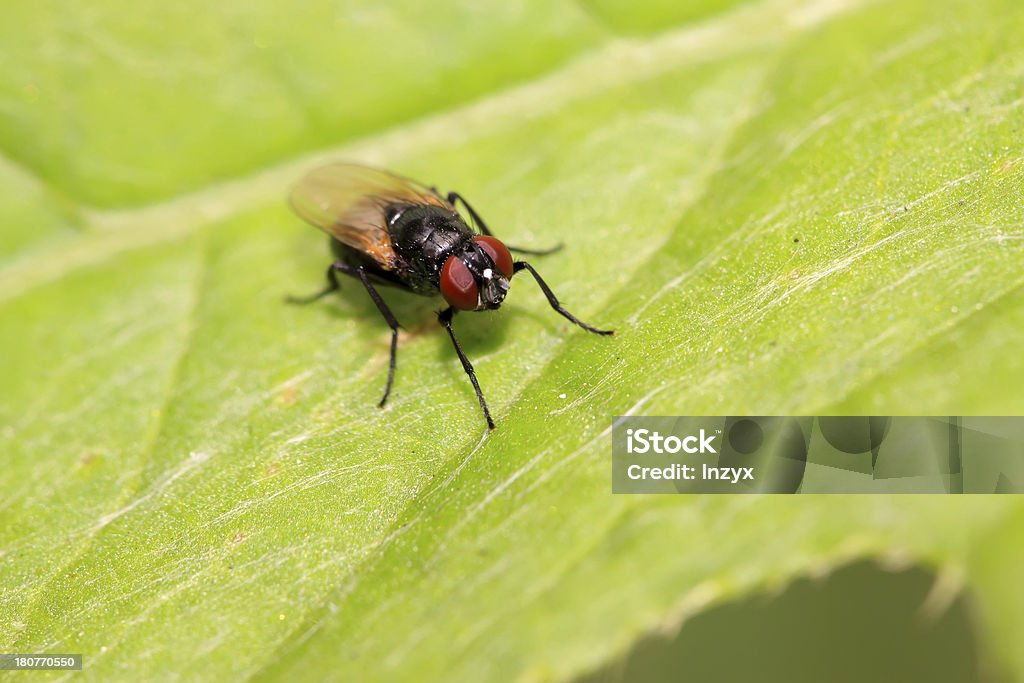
423,238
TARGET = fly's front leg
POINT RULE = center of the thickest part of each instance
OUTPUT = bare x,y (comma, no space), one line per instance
553,300
445,318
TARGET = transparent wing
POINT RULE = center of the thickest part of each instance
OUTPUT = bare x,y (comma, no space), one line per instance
350,202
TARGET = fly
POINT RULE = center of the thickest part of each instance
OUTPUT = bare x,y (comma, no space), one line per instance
389,230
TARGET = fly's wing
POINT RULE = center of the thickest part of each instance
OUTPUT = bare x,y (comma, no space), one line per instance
350,202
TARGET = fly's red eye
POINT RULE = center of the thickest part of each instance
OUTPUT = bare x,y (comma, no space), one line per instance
457,285
498,253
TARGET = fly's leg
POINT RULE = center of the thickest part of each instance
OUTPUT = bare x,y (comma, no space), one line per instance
456,197
536,252
332,286
445,318
553,300
389,317
359,273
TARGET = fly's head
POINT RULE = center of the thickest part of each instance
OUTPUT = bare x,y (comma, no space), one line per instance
477,278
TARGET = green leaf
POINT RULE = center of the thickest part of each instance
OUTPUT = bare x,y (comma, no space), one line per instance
786,207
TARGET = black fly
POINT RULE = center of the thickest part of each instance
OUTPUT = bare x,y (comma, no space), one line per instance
389,230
